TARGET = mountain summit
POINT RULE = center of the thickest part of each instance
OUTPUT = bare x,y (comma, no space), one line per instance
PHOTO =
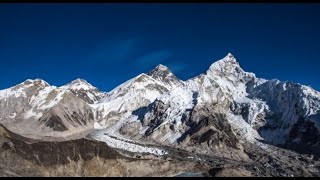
163,74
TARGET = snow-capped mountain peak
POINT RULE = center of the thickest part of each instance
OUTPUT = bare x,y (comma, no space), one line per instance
162,73
26,88
33,82
84,90
79,80
161,67
227,63
228,68
78,84
36,81
230,56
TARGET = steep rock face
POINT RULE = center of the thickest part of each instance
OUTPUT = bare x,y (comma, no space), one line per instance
71,114
209,132
289,105
304,131
163,120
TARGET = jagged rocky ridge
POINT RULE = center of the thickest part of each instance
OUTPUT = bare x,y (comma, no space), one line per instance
217,113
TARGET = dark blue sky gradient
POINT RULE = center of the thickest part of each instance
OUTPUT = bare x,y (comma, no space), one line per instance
107,44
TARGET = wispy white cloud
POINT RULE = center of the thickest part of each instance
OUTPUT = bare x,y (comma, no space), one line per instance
177,66
114,51
153,58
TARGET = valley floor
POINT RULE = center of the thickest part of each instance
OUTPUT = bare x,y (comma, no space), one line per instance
85,157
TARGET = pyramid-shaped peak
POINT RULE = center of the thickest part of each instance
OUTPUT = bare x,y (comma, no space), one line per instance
164,74
228,66
79,81
227,63
230,58
79,84
159,70
161,67
230,55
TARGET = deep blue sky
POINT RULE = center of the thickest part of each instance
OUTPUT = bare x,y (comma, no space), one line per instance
106,44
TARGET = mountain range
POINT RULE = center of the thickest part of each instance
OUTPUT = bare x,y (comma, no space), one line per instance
220,122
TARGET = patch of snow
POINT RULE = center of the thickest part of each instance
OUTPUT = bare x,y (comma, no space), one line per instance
242,128
53,102
96,125
6,93
33,114
121,144
12,115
